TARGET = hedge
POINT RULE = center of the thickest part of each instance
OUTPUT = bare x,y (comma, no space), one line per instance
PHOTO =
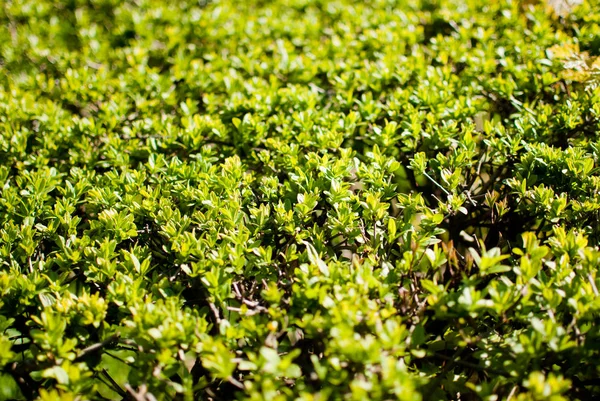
299,200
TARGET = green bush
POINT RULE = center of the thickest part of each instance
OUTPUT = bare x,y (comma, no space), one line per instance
299,199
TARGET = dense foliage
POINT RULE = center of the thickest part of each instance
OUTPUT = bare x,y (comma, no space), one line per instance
299,199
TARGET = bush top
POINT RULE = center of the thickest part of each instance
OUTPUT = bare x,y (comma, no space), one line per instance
299,199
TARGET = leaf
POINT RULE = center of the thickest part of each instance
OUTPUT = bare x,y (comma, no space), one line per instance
314,258
58,373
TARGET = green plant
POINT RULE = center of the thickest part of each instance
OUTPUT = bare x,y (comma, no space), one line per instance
299,199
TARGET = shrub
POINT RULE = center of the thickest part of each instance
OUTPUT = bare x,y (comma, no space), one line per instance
299,199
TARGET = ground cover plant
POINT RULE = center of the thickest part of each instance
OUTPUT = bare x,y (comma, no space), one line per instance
299,199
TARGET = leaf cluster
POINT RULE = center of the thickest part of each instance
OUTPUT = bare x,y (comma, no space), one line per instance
299,199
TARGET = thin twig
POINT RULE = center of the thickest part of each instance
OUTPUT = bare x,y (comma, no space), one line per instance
215,312
512,392
114,384
473,366
98,346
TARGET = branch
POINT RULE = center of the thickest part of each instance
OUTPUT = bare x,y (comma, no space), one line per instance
475,366
97,347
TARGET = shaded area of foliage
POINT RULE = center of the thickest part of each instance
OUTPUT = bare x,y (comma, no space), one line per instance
298,200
